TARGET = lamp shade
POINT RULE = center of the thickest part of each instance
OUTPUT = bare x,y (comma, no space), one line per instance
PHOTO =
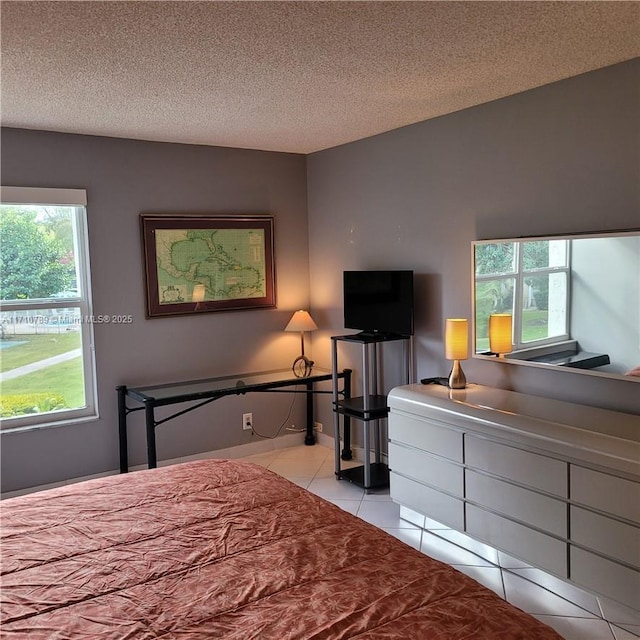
500,335
456,339
301,321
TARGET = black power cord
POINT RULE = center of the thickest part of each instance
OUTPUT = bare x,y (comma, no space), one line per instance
436,380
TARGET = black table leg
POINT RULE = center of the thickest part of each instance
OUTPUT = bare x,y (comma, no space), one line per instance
151,434
347,454
122,428
309,438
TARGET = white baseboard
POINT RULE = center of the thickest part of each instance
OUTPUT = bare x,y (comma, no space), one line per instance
239,451
325,440
357,452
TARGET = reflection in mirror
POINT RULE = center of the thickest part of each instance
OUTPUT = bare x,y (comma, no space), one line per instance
574,301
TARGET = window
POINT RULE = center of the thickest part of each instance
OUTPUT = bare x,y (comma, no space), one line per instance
528,279
46,336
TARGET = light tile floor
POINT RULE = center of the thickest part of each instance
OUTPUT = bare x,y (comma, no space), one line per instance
575,614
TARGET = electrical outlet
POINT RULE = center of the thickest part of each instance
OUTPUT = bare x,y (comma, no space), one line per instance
247,421
317,426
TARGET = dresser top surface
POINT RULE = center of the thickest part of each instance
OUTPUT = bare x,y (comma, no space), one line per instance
611,433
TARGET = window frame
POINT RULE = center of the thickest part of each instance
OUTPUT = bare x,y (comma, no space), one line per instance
519,274
76,198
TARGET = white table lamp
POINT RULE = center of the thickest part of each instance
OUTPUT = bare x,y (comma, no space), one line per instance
301,321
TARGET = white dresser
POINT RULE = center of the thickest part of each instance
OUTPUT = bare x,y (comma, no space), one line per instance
553,483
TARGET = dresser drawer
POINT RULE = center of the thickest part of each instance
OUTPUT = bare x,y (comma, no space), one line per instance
610,537
430,502
426,435
536,548
611,494
517,503
531,469
605,576
427,469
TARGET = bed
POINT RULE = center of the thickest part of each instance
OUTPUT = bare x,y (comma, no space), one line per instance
226,549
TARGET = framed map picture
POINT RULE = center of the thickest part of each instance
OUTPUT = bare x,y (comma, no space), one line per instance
195,264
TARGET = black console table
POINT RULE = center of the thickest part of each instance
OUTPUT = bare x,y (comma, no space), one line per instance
206,391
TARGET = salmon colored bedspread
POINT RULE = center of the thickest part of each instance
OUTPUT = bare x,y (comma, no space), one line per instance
226,549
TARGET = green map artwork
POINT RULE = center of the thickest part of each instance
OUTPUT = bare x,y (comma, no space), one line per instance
199,265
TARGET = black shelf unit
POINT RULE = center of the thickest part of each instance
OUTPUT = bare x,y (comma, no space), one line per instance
379,475
355,407
369,408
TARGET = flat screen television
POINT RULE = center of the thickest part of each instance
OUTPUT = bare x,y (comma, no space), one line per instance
379,302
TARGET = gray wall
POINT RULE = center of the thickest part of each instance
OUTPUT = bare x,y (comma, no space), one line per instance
606,310
124,178
562,158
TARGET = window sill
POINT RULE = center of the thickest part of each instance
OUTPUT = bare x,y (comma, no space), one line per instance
6,428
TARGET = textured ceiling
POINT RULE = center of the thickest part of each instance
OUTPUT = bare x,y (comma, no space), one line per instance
288,76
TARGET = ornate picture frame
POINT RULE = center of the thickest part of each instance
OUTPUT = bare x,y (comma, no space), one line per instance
201,263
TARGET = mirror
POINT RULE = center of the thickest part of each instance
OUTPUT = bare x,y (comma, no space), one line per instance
569,301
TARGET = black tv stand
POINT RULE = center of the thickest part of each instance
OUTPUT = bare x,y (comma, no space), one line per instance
379,336
368,409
